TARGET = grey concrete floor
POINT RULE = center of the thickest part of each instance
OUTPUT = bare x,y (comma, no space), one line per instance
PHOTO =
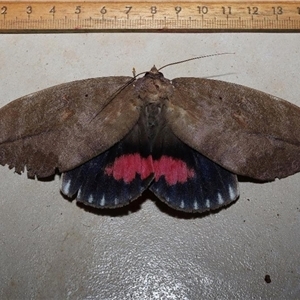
52,248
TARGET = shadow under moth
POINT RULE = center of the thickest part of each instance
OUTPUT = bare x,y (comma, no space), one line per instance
185,139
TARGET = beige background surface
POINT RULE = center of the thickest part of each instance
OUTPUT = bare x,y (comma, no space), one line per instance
54,249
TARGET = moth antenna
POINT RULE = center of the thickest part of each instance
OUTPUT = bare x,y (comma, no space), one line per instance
126,84
194,58
118,91
136,75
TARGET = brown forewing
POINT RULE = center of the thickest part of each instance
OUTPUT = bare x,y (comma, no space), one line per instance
246,131
66,125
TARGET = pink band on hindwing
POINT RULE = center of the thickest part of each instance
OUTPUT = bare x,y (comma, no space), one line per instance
174,170
126,167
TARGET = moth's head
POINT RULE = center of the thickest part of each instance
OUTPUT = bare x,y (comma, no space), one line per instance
154,73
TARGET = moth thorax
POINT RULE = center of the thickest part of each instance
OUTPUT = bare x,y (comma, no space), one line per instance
161,89
154,89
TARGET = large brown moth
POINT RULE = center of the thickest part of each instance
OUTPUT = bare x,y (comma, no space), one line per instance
185,139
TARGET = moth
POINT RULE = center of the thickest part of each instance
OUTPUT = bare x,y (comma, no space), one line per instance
185,139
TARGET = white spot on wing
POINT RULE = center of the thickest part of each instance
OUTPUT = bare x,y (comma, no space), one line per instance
220,199
79,193
66,187
231,193
182,204
116,201
196,205
102,202
207,203
91,199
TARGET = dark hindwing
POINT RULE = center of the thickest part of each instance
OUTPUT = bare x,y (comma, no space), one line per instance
115,177
186,180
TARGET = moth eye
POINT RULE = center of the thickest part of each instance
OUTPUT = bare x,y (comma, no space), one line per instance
86,95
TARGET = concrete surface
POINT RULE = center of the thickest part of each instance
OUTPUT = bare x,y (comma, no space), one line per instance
54,249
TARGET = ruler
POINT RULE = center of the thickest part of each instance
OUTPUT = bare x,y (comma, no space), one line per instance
133,15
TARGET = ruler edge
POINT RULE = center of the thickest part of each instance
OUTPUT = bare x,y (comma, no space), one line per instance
162,29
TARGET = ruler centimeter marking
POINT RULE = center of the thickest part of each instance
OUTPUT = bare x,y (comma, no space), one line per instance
187,16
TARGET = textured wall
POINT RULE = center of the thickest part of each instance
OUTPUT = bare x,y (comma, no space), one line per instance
54,249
